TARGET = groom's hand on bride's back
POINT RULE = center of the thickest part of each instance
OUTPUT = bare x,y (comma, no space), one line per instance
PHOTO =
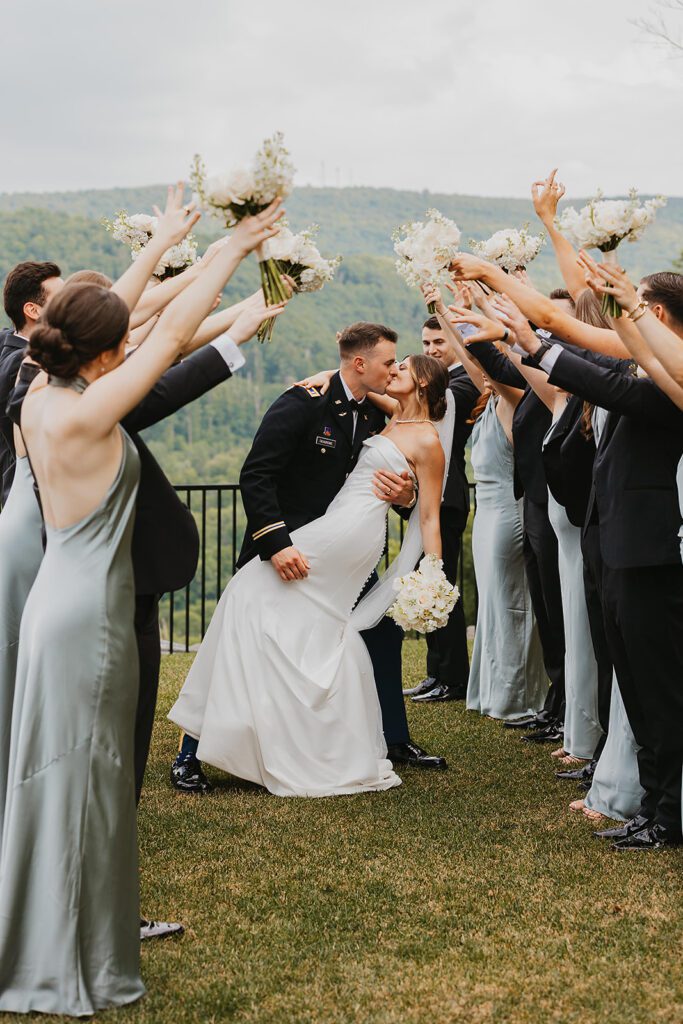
290,564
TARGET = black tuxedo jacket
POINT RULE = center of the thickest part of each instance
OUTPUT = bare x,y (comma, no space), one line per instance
457,493
165,536
12,350
300,457
634,497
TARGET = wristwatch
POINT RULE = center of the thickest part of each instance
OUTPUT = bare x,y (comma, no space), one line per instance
535,359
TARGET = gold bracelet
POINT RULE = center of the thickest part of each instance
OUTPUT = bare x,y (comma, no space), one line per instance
637,311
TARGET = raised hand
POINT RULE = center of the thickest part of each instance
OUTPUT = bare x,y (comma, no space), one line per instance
545,195
177,219
463,294
512,317
214,248
432,293
321,381
609,279
488,329
254,231
466,267
250,319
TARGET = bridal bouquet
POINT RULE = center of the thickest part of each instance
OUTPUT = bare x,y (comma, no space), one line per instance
604,223
135,231
510,248
425,598
243,192
425,249
299,258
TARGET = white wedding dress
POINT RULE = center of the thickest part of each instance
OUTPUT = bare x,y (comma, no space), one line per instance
282,690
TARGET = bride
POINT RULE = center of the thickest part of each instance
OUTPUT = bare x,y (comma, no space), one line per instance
282,691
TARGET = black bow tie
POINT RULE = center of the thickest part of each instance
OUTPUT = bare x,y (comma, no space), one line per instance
354,406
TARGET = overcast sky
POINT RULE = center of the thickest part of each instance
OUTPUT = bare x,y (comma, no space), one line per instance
471,96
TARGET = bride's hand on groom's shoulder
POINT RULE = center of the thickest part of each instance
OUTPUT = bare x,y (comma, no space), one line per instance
290,564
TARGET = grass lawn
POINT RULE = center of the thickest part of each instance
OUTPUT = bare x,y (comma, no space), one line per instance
470,895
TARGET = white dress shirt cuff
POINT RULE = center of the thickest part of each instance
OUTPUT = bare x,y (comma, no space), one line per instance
550,358
229,351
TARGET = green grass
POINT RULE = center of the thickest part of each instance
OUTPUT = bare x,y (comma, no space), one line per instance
471,895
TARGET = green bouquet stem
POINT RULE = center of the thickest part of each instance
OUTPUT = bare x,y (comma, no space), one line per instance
431,308
274,291
610,306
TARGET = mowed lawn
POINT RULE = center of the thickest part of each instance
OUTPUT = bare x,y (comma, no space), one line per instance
468,895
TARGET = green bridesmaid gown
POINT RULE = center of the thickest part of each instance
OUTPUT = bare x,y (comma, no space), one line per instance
69,905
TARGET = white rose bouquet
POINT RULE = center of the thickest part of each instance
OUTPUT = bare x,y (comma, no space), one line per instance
425,250
245,191
604,223
425,598
299,258
136,230
510,248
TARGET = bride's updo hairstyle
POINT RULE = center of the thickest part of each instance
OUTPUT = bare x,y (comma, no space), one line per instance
80,322
431,384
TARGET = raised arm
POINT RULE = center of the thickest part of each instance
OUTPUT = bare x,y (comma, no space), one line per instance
520,329
545,196
213,326
111,396
430,467
172,226
540,310
473,369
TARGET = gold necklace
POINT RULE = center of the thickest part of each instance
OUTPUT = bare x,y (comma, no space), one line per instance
413,421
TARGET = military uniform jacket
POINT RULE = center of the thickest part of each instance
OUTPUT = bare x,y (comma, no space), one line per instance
301,455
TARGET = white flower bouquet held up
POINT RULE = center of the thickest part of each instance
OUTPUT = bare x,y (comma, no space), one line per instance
245,191
604,223
425,598
299,258
510,248
136,230
425,250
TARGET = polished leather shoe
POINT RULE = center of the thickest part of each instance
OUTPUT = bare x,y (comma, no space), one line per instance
540,721
655,837
551,734
187,775
636,824
410,754
584,774
427,684
439,694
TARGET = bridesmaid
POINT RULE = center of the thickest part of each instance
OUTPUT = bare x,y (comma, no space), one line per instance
69,916
21,552
507,677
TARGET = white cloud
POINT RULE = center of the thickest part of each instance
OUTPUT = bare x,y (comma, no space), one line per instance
445,94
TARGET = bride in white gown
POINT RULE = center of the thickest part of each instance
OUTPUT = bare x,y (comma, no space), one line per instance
282,690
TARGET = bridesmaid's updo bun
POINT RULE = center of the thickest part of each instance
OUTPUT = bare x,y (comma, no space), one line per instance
80,322
431,384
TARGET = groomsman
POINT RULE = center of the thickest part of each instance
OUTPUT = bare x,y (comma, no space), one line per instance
28,288
447,658
302,453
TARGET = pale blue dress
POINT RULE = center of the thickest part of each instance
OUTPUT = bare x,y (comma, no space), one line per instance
582,730
69,906
507,677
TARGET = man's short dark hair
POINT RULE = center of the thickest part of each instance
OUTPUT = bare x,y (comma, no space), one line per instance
432,323
561,293
25,284
362,337
665,289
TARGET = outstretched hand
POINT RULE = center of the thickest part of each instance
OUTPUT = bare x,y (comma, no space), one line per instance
545,195
463,293
608,279
432,293
177,219
488,329
250,319
254,231
512,317
466,267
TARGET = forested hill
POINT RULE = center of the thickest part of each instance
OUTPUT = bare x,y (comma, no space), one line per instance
208,441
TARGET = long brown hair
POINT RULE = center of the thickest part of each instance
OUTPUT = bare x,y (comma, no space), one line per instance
589,311
431,384
480,404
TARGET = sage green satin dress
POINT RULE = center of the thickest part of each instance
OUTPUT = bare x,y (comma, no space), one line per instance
21,552
69,907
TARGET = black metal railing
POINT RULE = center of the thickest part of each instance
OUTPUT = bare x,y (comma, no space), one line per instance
220,519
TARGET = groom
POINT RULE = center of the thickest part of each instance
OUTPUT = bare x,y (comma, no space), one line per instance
302,453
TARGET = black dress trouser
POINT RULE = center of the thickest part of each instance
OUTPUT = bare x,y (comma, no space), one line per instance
384,643
643,610
447,658
149,656
543,577
592,582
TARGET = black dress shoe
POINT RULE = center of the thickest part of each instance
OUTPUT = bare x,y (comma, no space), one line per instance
584,774
427,684
653,838
187,775
636,824
439,694
409,753
540,721
551,734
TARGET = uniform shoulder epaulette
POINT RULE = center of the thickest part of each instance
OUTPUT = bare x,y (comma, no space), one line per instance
311,392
